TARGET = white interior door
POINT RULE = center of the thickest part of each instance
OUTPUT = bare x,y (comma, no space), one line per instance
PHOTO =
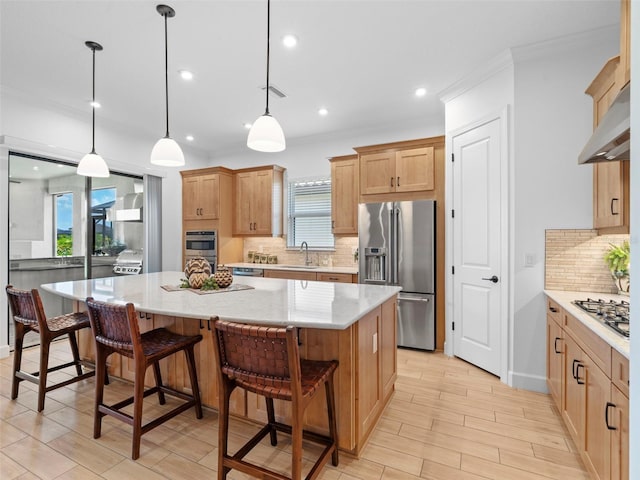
477,246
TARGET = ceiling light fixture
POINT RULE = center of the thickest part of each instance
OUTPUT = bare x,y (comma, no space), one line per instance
247,125
266,134
189,138
323,111
95,104
421,92
92,164
166,152
186,74
290,41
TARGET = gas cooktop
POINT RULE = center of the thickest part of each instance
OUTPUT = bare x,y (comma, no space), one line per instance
612,313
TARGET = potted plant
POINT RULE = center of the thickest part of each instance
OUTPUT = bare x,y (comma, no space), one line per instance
618,261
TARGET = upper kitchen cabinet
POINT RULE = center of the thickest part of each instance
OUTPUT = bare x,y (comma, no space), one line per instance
201,194
344,195
398,168
624,70
258,201
610,179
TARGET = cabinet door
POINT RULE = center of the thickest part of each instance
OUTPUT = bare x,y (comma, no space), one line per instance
597,437
573,404
555,360
388,346
619,419
190,198
368,373
377,173
261,203
414,170
608,195
243,223
209,197
344,197
624,72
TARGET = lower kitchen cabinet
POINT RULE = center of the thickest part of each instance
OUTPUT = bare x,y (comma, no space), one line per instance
573,406
307,275
618,423
555,360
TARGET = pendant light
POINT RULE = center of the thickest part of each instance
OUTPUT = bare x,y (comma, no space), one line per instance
92,164
266,134
166,152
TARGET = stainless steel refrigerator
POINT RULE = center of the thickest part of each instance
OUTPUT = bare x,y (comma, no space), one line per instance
397,247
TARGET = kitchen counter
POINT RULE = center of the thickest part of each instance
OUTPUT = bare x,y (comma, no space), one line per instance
354,324
564,299
298,268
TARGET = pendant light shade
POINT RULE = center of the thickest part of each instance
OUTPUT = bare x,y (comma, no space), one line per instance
92,164
166,152
266,134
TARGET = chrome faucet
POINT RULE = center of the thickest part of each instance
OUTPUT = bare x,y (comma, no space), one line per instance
304,246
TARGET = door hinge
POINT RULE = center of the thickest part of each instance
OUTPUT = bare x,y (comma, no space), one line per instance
453,213
453,325
452,158
453,270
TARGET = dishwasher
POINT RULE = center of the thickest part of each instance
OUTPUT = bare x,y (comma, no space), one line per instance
248,272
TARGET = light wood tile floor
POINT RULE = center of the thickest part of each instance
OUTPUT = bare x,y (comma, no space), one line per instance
447,420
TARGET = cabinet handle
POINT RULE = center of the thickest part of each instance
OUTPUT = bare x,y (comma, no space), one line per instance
553,309
255,225
333,224
555,345
335,279
606,415
250,226
580,382
392,181
397,181
201,326
573,369
614,200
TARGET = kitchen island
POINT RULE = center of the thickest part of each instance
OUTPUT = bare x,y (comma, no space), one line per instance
354,324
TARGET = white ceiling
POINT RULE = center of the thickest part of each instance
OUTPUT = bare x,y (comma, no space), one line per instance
362,60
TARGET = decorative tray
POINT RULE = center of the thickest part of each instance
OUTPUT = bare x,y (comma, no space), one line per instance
231,288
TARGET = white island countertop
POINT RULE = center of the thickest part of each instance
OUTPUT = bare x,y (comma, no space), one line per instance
271,301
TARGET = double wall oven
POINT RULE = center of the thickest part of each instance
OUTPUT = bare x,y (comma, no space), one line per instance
201,243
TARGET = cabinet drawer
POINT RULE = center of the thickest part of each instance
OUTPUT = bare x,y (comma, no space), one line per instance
620,371
290,274
554,311
334,277
596,348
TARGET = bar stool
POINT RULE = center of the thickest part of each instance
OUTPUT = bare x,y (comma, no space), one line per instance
28,316
266,361
115,330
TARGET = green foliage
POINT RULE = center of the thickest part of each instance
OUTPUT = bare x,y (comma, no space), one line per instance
618,259
64,245
210,284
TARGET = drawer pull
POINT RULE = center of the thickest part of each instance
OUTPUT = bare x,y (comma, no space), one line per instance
606,415
614,200
573,369
555,345
553,309
580,382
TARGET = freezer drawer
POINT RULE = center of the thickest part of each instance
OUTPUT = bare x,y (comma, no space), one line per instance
416,321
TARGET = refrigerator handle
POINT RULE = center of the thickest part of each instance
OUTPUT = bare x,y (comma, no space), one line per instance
392,253
396,243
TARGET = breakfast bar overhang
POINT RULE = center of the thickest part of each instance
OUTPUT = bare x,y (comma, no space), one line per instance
352,323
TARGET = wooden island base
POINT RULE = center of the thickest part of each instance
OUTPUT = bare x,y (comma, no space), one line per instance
364,381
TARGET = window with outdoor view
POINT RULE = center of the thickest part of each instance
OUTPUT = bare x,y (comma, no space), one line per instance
310,213
64,224
101,201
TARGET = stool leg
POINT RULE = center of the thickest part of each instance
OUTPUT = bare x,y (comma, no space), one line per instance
296,442
193,377
45,343
331,411
223,427
138,398
101,372
272,420
74,352
17,358
158,376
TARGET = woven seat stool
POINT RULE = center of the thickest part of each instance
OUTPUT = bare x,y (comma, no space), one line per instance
266,361
29,316
115,330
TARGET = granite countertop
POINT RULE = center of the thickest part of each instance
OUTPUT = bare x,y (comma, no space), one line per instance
564,299
271,301
298,268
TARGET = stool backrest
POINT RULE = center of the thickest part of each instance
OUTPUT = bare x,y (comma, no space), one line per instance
26,307
114,325
264,356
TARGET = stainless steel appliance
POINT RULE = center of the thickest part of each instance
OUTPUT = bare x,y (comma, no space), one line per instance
202,243
397,247
612,313
248,272
128,262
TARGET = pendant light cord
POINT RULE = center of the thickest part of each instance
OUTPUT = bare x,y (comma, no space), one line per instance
93,105
166,73
268,37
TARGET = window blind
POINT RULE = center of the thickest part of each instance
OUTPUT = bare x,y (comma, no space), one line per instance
310,213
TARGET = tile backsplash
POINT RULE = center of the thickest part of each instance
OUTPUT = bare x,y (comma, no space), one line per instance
342,256
574,260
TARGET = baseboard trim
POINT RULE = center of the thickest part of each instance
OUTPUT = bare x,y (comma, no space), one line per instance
525,381
4,351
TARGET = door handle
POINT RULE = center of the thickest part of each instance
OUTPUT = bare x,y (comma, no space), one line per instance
573,369
493,279
606,415
580,382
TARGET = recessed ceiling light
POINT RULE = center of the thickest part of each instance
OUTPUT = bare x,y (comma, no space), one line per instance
186,74
36,168
60,165
95,104
323,111
421,92
247,125
289,41
189,138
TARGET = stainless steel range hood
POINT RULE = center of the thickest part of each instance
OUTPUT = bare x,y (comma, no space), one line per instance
131,210
611,140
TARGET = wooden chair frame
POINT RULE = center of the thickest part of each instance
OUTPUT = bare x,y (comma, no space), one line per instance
286,387
29,316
